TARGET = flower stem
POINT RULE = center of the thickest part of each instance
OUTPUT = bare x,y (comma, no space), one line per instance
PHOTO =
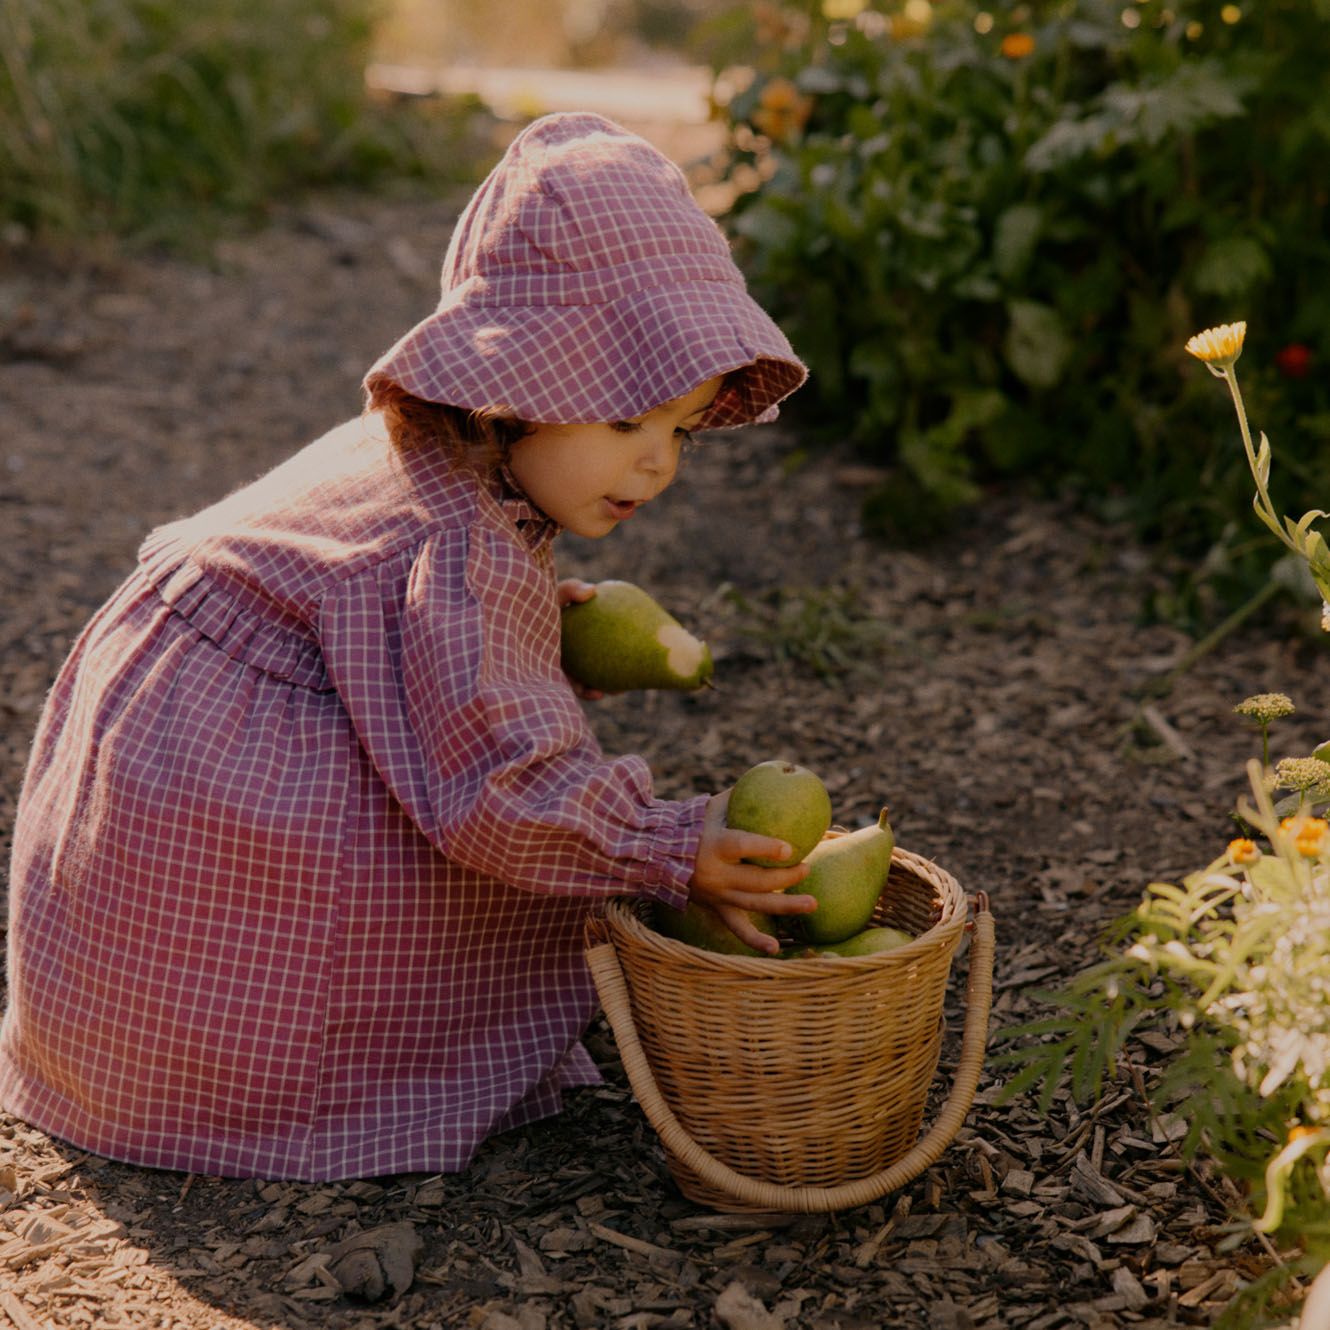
1268,510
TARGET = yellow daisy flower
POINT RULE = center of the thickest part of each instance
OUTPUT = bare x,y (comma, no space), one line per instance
1219,346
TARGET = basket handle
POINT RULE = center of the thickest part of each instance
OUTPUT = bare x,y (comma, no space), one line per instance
613,990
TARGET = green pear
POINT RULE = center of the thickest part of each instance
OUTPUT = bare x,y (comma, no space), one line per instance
621,639
846,874
701,927
782,800
870,942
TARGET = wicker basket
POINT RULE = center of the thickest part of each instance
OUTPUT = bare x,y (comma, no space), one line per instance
797,1085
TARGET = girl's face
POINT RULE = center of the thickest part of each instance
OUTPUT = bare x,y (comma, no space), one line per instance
591,477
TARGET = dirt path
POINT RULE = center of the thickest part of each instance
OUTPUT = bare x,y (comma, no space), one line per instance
984,687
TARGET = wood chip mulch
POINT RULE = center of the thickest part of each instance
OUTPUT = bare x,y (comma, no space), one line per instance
990,687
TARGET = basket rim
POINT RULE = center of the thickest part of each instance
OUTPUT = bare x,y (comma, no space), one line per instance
623,914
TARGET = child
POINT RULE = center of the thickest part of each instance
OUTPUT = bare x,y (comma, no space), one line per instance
312,817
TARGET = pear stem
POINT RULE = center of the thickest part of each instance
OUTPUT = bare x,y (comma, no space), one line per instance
883,820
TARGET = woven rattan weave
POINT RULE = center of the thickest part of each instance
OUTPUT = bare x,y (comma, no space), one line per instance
797,1084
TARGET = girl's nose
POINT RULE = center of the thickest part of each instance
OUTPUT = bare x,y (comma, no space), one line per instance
660,453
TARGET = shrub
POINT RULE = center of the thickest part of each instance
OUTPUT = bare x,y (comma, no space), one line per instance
144,117
988,231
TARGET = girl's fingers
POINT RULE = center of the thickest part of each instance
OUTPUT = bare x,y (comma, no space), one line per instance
573,590
749,845
752,877
736,845
739,924
768,902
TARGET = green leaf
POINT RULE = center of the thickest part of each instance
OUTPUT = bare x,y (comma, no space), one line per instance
1263,460
1067,141
1015,235
1231,266
1196,94
877,361
768,227
1272,876
1307,519
1037,346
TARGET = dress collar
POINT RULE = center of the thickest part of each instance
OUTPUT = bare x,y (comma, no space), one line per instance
533,525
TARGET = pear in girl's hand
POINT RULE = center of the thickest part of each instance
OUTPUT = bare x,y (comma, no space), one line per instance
621,639
782,800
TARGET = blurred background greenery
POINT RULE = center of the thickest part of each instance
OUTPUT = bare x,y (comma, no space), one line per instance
989,228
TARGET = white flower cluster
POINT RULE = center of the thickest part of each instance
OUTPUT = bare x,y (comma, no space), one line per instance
1279,1006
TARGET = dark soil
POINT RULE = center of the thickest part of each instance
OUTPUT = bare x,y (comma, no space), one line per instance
989,687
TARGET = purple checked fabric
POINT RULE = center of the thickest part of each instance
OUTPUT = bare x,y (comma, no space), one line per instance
308,833
313,818
584,284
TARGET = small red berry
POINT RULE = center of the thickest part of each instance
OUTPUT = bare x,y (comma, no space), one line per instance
1294,360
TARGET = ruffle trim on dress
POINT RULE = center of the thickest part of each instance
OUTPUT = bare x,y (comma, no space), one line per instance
284,649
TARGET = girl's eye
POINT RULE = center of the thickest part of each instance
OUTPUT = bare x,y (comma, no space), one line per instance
625,426
685,435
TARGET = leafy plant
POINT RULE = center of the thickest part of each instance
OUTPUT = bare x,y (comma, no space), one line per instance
149,119
1235,960
987,229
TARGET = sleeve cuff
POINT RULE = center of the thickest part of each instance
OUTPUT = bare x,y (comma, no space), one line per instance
668,867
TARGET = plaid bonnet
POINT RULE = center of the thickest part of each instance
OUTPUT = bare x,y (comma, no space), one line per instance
584,283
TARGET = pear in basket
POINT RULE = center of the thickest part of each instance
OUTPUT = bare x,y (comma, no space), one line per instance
871,942
781,800
846,874
621,639
701,927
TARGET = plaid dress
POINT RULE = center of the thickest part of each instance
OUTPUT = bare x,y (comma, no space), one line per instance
309,831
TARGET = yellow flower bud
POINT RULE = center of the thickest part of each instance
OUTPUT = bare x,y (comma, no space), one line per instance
1219,346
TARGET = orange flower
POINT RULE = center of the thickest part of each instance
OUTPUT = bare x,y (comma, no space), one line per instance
1243,851
782,110
1310,841
1309,834
1017,45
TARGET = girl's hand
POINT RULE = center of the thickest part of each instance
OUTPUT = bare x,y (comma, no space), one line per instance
723,884
572,591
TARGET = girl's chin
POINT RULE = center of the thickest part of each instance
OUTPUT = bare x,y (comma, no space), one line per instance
591,528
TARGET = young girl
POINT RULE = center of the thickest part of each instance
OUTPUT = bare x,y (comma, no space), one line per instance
312,817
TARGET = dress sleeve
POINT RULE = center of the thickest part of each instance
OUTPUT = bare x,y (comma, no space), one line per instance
448,664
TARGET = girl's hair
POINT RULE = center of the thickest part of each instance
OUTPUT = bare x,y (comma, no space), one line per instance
479,439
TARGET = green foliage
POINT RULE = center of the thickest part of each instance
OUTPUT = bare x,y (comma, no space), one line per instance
991,262
1234,964
146,118
827,632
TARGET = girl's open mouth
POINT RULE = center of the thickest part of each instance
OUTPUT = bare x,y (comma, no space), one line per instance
622,509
